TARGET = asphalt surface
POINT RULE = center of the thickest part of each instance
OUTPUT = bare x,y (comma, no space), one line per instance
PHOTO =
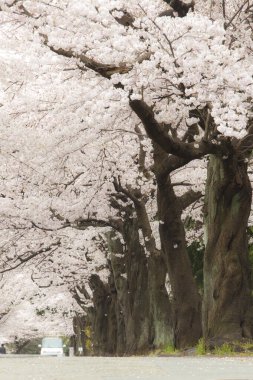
142,368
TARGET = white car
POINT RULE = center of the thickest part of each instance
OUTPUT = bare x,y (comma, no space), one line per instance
52,346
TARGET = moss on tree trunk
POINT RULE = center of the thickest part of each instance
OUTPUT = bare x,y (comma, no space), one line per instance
227,304
161,325
186,302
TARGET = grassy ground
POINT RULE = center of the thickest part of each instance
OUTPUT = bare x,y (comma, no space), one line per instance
227,349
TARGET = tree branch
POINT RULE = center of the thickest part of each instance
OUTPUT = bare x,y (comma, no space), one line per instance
157,134
22,260
105,70
142,216
181,8
133,195
65,225
165,164
188,198
83,224
227,24
224,8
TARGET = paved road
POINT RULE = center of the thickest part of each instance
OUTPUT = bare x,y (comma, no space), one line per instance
142,368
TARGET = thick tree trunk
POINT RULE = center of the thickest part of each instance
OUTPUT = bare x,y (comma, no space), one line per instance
132,313
142,295
161,326
104,320
131,282
186,301
81,340
227,307
103,317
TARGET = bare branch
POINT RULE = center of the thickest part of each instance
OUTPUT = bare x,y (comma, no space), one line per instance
27,256
83,224
224,8
188,198
35,225
182,183
74,179
227,24
130,193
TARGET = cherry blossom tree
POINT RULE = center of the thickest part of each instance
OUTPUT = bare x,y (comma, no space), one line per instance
55,213
27,312
182,75
209,91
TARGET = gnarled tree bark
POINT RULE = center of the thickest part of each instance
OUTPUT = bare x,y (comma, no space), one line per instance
227,307
186,302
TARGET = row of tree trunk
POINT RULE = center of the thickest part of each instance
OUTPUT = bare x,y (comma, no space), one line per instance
134,311
131,312
138,310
